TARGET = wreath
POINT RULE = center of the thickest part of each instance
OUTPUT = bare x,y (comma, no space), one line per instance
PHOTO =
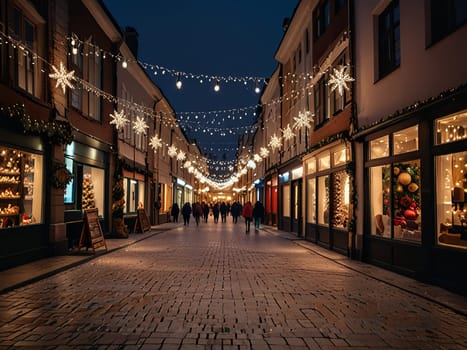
61,176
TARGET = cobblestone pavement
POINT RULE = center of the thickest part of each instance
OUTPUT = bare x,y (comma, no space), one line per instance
215,287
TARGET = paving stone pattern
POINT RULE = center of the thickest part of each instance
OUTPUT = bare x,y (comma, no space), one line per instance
215,287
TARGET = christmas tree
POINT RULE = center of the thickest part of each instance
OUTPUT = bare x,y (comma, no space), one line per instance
88,200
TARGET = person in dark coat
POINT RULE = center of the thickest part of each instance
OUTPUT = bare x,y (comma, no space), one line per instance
223,210
215,212
174,212
205,212
197,212
258,214
186,212
236,211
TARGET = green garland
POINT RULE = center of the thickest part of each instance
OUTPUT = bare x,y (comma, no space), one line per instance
56,132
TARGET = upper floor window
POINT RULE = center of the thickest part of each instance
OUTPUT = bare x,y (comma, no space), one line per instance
322,17
307,41
389,53
25,70
338,101
446,17
338,5
321,102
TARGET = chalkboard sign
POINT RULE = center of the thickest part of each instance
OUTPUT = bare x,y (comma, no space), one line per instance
142,222
91,233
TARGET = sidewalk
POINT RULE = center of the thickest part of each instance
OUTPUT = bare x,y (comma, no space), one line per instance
28,273
25,274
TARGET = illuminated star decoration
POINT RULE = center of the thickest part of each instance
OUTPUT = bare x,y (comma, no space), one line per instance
275,142
119,119
257,158
181,156
287,133
302,120
172,151
155,142
63,77
251,164
187,164
264,152
339,79
140,125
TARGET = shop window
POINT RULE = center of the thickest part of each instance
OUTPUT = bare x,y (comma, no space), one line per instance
395,200
311,166
340,199
451,197
69,195
21,188
324,161
379,148
446,17
286,200
340,157
389,52
452,128
311,200
406,140
323,200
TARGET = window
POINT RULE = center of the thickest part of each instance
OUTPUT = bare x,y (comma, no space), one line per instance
451,129
322,18
389,39
321,102
379,148
446,17
307,41
341,199
338,101
77,66
323,200
406,140
25,72
21,188
311,200
286,201
338,5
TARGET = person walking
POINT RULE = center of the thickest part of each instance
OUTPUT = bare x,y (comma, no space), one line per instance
215,212
186,212
197,212
248,215
236,211
205,212
223,210
175,211
258,214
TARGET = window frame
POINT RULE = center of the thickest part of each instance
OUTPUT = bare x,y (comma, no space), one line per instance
389,48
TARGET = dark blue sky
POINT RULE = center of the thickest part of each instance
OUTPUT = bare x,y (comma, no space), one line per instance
210,37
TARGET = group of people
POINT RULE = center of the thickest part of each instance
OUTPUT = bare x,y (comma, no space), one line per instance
248,211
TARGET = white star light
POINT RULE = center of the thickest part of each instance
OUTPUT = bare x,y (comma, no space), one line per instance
187,164
287,133
275,142
181,156
63,77
119,119
302,120
264,152
257,158
251,164
140,125
155,142
172,151
339,79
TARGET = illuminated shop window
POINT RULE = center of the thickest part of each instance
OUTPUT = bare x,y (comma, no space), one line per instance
21,188
379,148
93,189
452,128
286,200
323,200
340,199
311,200
451,197
406,140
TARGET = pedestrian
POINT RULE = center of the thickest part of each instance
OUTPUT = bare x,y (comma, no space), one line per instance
205,211
215,212
197,212
258,214
223,210
248,215
236,211
186,212
175,211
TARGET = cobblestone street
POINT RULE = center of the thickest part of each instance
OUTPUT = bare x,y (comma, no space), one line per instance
215,287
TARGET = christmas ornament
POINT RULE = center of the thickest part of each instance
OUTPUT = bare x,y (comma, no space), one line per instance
119,119
172,151
264,152
339,79
181,156
287,133
155,142
303,120
404,178
275,142
140,125
63,77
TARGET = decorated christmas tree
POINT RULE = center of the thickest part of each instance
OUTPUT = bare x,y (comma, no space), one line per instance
88,200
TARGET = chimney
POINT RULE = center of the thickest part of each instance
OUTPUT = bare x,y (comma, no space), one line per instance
131,39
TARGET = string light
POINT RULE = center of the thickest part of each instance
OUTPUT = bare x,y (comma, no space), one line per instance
217,86
179,83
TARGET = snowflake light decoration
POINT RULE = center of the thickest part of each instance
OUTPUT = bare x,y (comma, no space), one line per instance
339,79
264,152
187,164
257,158
155,142
251,164
172,151
119,119
181,156
287,133
140,126
303,120
275,142
63,77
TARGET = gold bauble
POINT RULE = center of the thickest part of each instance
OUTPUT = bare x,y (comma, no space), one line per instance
413,187
404,178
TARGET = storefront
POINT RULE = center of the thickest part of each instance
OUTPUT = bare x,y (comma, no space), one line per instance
328,192
290,182
23,234
270,199
183,192
88,188
417,189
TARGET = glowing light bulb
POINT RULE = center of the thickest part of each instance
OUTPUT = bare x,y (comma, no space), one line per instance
74,50
124,64
257,89
217,87
179,83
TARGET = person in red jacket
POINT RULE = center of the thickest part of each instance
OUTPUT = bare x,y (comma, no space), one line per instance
248,215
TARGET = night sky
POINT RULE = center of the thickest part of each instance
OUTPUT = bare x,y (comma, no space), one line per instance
209,37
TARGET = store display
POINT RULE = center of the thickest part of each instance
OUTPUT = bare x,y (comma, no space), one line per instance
89,200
